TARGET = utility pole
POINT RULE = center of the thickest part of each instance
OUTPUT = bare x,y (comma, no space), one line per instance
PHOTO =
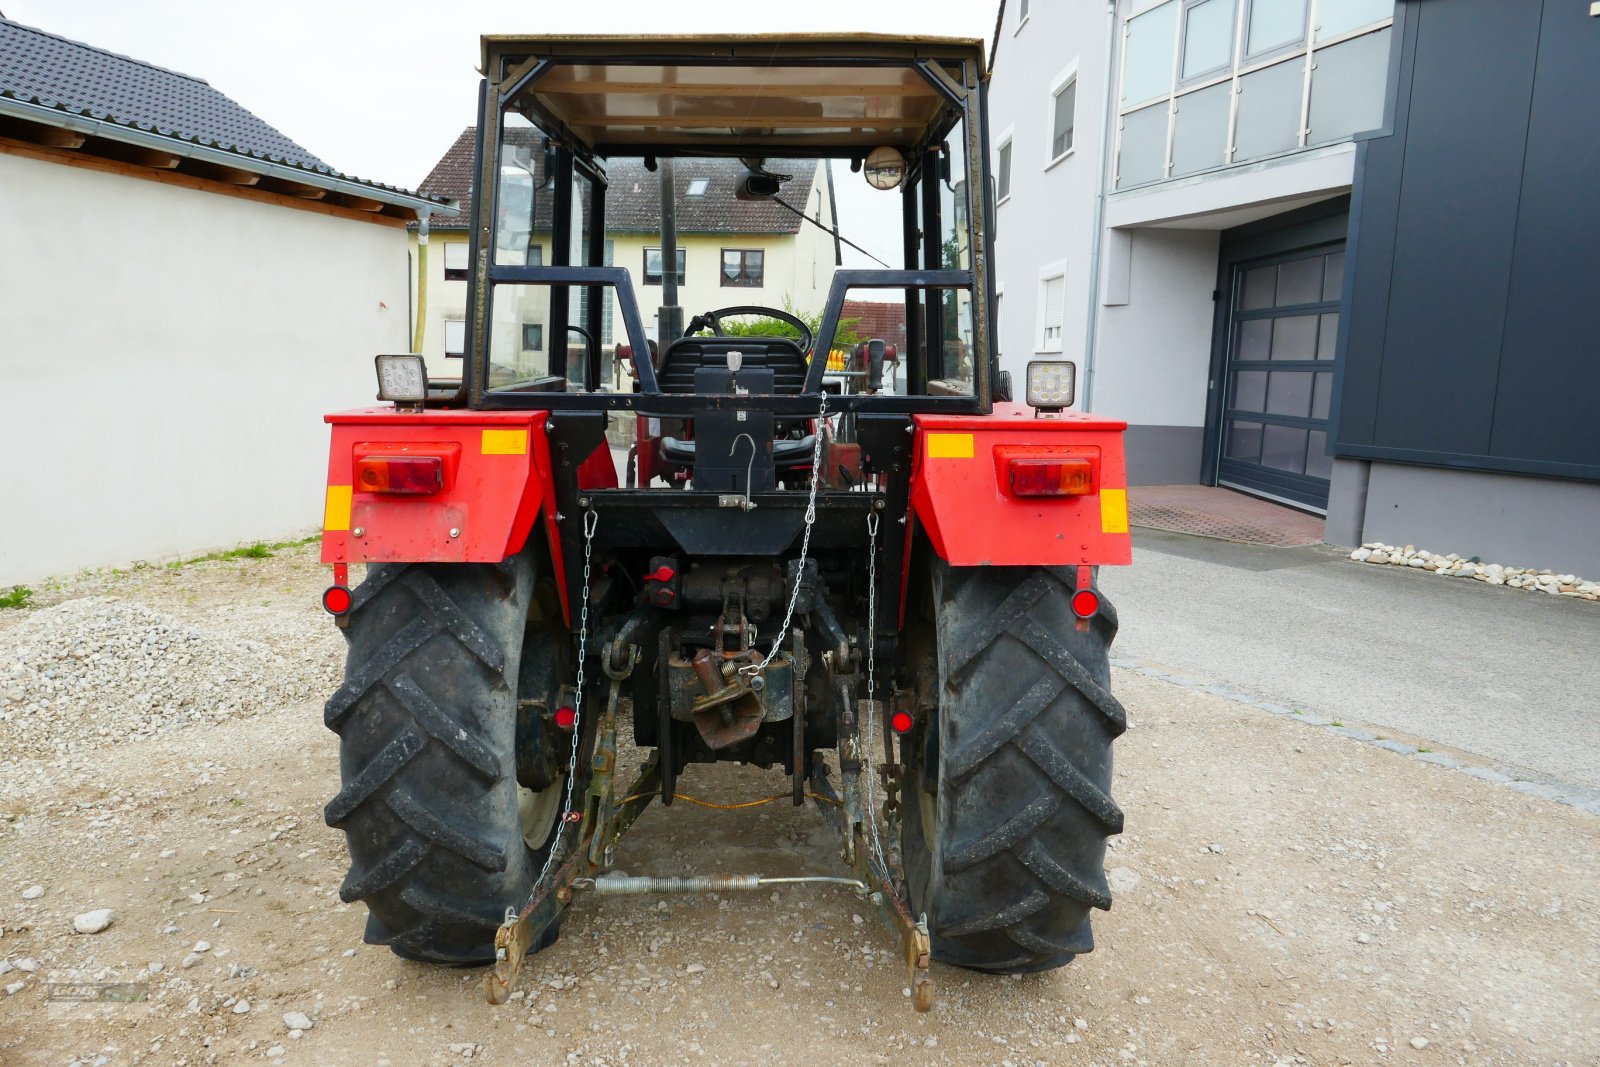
669,320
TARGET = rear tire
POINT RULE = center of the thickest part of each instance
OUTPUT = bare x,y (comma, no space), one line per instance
1008,794
427,723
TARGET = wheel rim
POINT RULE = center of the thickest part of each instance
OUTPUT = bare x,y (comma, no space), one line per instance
537,812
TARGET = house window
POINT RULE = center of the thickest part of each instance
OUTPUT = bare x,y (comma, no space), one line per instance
1004,177
455,337
455,261
697,187
741,267
1207,38
1055,296
652,266
1022,13
533,337
1066,102
1274,24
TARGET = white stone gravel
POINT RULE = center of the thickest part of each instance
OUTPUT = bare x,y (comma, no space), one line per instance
97,669
1454,566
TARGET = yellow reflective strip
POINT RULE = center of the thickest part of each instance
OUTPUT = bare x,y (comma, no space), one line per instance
949,446
505,442
1113,511
336,514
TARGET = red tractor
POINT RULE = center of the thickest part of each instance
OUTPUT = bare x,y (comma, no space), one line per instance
879,582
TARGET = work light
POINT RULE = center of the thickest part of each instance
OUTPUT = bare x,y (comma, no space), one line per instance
1051,384
403,379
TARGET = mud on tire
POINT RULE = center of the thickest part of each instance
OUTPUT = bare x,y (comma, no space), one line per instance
427,724
1008,799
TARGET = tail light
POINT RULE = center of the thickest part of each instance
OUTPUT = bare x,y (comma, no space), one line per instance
400,474
900,722
1027,470
565,717
336,599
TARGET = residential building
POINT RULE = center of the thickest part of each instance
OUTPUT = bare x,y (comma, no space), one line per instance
187,292
1335,253
730,252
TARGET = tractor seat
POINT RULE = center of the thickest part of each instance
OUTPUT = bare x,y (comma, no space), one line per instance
686,355
786,455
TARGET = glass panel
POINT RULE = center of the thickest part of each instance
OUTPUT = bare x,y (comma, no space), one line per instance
1321,394
1249,390
1269,110
1273,24
1065,108
1200,134
1147,64
1300,281
1255,339
1144,146
1328,336
455,337
1342,16
1258,288
1207,37
1333,276
1318,463
1004,178
1289,393
513,310
1284,448
1348,87
1294,337
1244,441
522,216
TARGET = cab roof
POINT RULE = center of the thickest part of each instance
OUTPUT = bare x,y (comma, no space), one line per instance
829,94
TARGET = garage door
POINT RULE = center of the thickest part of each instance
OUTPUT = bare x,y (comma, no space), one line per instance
1284,320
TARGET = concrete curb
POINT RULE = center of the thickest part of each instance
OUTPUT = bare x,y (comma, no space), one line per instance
1587,800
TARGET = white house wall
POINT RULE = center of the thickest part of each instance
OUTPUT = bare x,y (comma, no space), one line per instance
167,356
1046,226
1154,358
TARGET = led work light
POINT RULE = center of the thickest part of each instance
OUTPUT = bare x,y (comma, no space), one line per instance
403,379
1051,384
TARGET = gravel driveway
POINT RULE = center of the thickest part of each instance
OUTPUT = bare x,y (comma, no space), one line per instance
1285,895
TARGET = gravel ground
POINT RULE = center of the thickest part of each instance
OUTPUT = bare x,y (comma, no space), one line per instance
1285,896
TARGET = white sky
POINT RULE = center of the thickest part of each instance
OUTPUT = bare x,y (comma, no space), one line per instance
381,89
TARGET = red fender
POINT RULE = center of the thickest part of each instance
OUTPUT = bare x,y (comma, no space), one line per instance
973,520
496,483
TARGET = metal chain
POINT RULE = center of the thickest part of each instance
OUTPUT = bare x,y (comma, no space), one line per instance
591,519
870,786
805,544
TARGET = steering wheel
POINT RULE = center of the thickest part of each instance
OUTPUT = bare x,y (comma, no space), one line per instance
713,319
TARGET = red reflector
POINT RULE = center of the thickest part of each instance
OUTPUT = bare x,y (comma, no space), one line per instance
660,574
1052,476
900,722
565,717
400,474
1085,603
336,600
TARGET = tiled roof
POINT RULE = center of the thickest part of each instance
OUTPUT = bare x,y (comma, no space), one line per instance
873,319
78,79
633,201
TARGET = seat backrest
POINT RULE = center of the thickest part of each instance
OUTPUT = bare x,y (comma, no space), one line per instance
685,355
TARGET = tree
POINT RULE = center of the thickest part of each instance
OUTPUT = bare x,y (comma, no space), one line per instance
765,327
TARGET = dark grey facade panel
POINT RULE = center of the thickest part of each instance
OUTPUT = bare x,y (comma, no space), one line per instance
1473,240
1550,371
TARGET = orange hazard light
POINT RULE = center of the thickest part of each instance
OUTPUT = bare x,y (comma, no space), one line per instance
1030,472
400,474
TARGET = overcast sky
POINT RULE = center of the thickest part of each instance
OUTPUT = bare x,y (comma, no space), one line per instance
381,90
